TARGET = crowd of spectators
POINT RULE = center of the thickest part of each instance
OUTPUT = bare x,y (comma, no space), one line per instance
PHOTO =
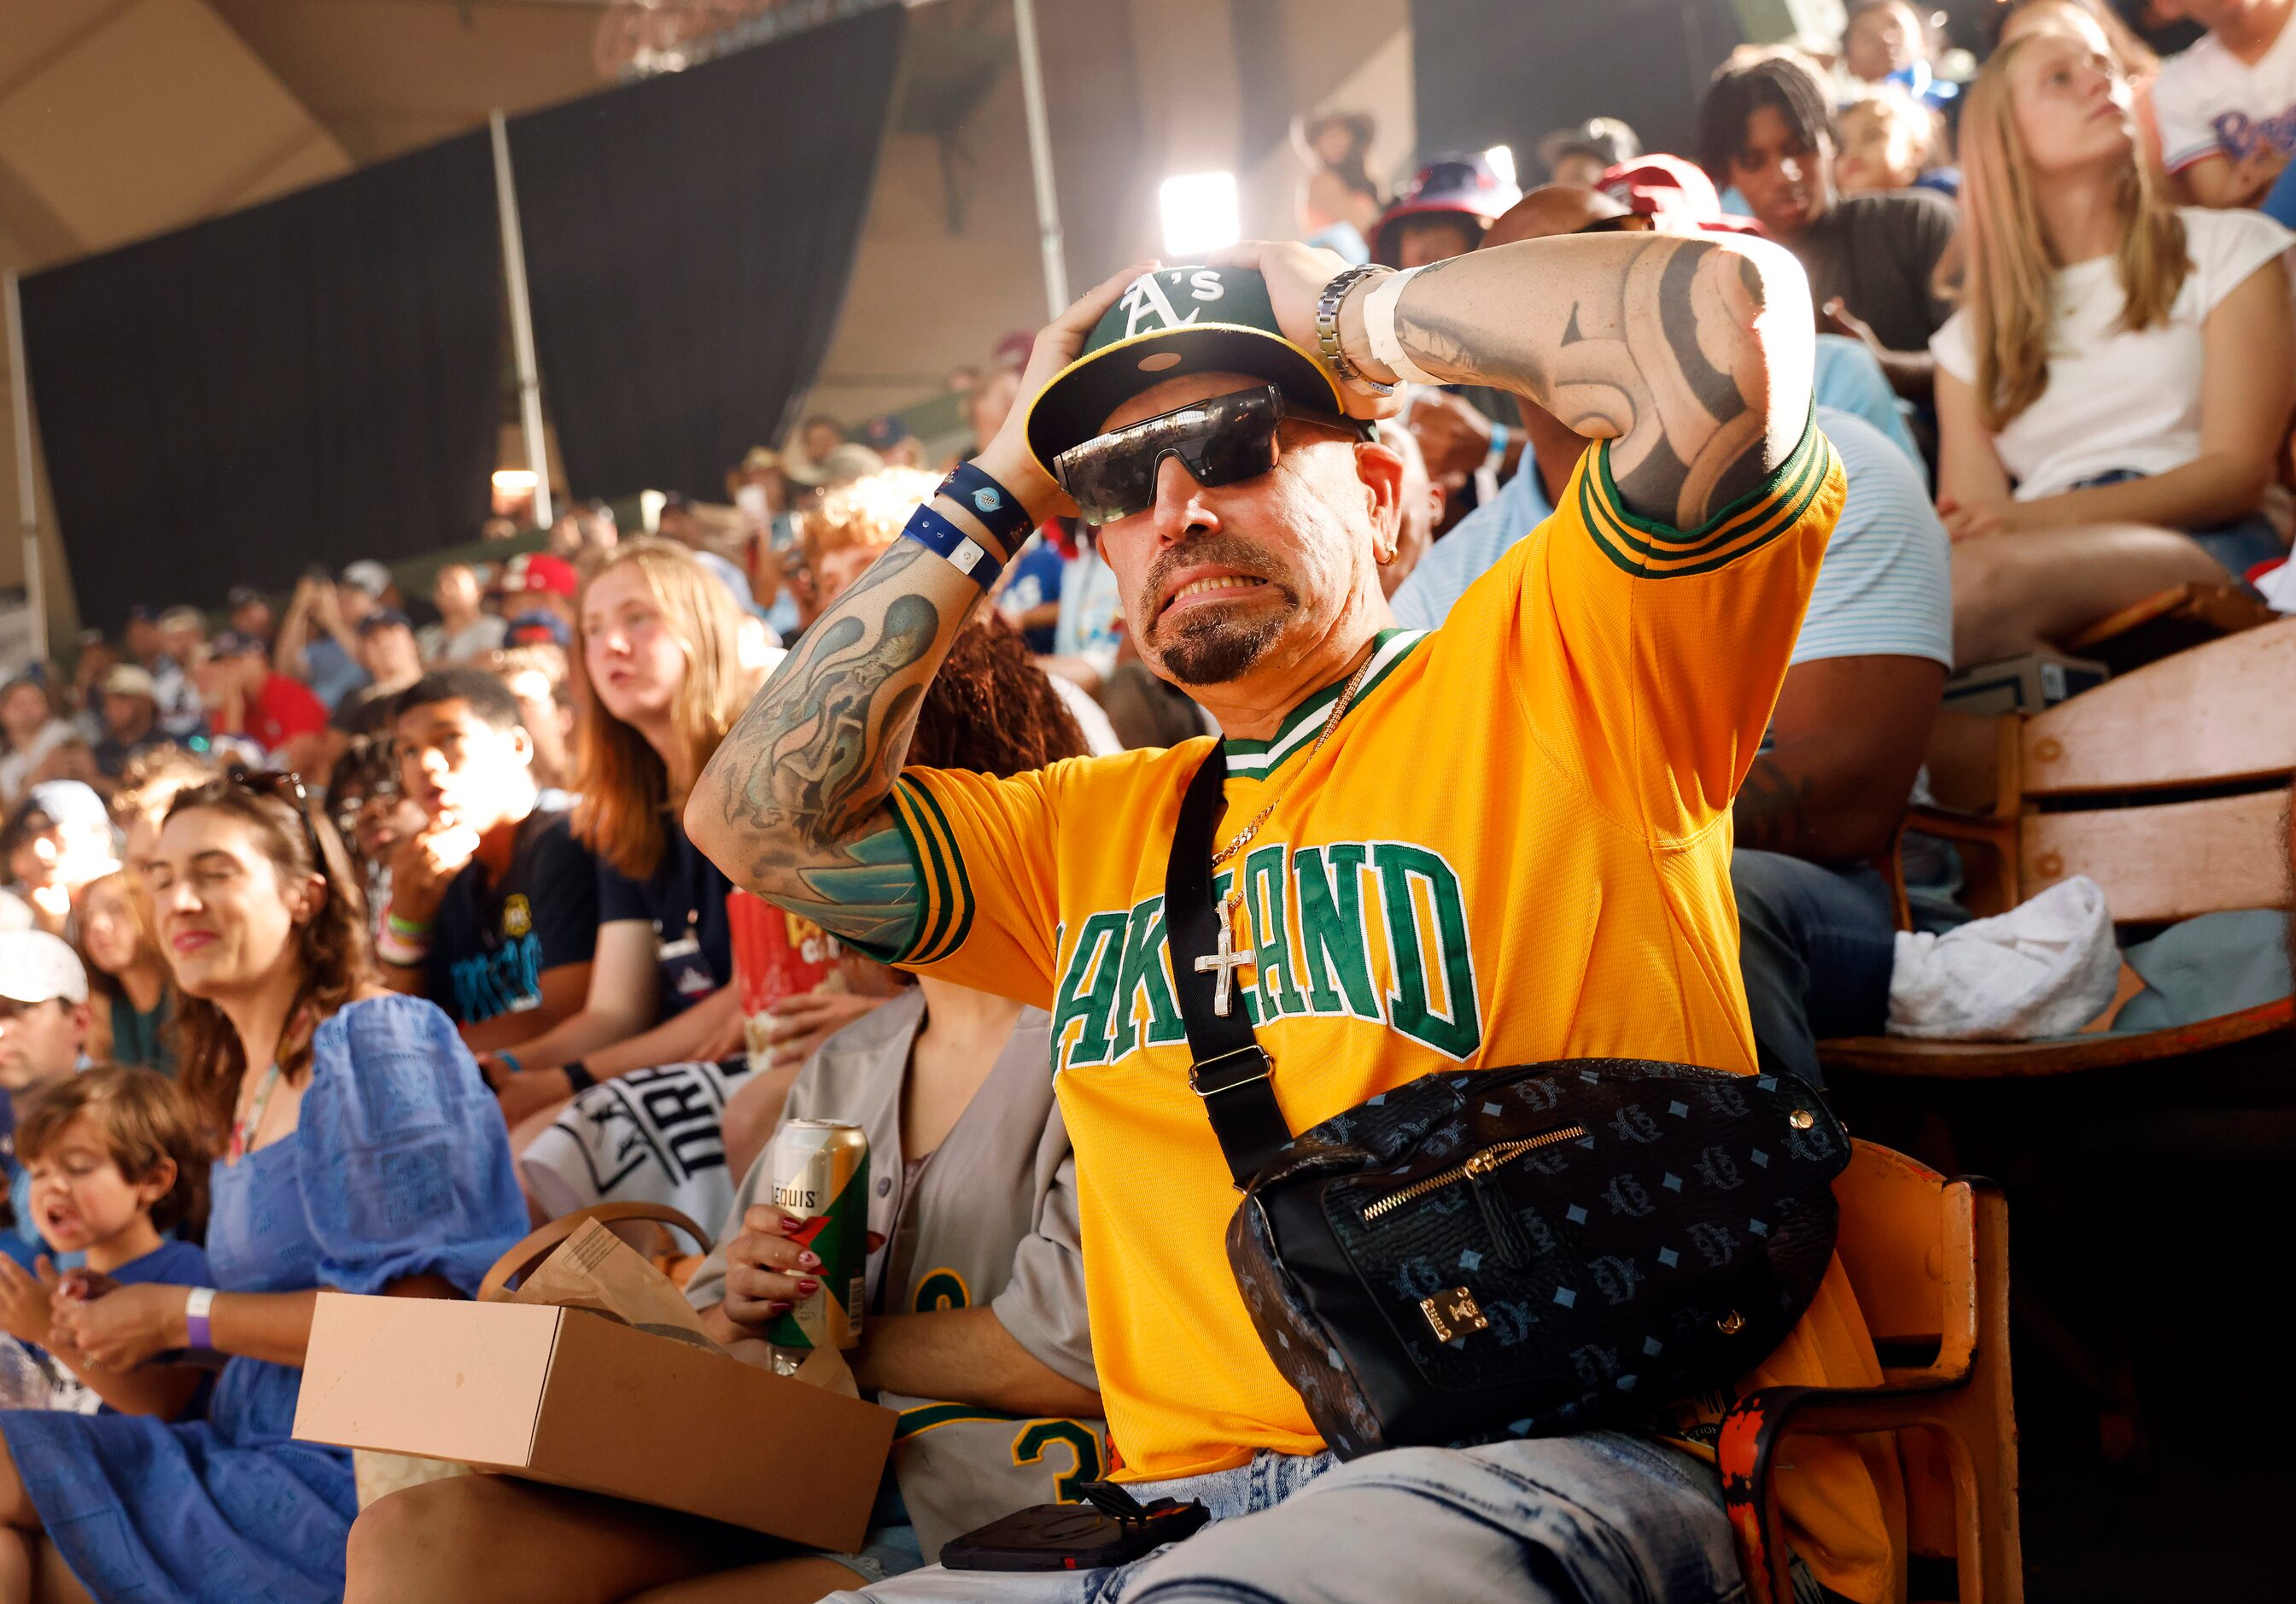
257,862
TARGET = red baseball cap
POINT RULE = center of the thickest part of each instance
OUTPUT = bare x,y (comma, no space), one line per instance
1675,194
538,571
1459,186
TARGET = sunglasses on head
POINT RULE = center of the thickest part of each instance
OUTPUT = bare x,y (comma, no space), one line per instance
1222,439
286,786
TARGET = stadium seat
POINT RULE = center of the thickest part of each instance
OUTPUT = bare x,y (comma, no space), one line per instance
1929,1259
2167,787
2174,621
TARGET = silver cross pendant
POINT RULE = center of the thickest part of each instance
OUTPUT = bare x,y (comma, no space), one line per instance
1225,963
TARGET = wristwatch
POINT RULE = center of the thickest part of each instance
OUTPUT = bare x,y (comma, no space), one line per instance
1327,331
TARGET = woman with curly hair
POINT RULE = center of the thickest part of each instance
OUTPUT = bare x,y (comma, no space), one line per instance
360,1153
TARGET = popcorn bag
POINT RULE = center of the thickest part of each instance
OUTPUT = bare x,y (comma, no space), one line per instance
595,1372
776,955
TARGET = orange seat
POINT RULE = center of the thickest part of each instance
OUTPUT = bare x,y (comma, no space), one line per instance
1929,1259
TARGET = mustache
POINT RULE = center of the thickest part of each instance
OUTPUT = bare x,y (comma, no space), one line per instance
1226,550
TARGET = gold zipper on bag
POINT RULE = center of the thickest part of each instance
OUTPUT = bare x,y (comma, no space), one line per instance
1481,1163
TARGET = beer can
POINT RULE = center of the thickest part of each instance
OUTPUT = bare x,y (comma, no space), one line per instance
820,1174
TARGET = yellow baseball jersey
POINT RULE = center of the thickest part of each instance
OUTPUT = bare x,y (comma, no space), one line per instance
1515,846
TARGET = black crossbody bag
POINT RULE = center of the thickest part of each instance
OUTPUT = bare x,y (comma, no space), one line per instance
1520,1252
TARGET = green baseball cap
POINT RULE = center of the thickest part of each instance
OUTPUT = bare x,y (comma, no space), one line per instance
1174,321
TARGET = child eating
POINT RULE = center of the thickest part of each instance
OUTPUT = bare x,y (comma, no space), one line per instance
116,1162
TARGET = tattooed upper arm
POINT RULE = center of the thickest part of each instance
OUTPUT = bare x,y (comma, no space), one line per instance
1691,356
793,803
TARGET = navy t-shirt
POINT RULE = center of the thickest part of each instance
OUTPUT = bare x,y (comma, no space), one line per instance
494,941
685,902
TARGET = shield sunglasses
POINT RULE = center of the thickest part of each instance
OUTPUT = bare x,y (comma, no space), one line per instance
1220,441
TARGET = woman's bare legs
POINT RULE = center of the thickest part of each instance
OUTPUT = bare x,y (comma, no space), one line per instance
2016,593
800,1579
497,1540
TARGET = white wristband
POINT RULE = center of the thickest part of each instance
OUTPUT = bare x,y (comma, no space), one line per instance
1379,328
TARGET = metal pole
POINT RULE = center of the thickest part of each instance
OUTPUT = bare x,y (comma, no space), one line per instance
1040,156
522,321
27,500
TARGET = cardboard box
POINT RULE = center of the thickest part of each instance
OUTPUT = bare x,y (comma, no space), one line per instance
566,1396
2029,684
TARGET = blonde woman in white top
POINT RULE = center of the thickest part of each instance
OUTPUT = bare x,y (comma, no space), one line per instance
2115,392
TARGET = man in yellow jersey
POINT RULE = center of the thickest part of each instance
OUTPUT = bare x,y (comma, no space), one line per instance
1504,842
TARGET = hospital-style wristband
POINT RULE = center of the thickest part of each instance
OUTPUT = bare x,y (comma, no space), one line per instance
196,1335
1379,328
1495,459
953,545
999,510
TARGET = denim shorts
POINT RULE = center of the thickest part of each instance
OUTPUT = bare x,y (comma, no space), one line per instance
2239,545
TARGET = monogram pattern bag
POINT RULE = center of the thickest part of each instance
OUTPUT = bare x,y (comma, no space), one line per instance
1515,1252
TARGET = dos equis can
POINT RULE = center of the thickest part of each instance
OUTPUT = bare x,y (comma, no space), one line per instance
820,1171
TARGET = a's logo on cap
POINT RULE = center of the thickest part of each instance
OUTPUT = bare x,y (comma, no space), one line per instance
1145,303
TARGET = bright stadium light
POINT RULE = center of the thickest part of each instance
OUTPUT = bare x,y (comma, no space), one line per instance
1502,159
1201,215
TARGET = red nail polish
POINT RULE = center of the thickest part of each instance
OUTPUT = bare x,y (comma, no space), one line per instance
808,1288
810,1261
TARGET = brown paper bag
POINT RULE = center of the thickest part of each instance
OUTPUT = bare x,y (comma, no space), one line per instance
596,1270
591,1268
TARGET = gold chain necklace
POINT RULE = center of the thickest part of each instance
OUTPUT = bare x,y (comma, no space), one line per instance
1242,837
1230,958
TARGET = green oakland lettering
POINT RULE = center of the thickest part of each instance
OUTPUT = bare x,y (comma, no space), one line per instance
1097,958
1271,937
1141,977
1332,942
1410,1005
1311,950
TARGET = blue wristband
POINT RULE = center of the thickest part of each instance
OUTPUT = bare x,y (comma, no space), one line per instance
999,510
1496,458
951,544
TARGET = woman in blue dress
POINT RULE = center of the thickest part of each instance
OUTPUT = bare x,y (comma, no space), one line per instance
364,1154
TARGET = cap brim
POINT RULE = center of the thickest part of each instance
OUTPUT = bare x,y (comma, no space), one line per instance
1072,407
1382,240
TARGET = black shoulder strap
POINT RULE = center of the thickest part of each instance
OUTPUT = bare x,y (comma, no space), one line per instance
1231,1069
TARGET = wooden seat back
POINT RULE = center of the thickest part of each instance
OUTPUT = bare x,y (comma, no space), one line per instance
2168,623
2191,751
2221,713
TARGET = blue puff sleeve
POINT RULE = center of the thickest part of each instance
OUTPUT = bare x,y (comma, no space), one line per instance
404,1165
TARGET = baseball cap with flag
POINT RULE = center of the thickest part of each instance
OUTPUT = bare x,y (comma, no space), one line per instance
1166,324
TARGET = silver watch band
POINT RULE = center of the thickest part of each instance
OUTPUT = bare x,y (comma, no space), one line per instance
1327,330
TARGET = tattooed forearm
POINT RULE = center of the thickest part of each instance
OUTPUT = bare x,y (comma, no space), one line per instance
1771,813
1669,346
793,805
